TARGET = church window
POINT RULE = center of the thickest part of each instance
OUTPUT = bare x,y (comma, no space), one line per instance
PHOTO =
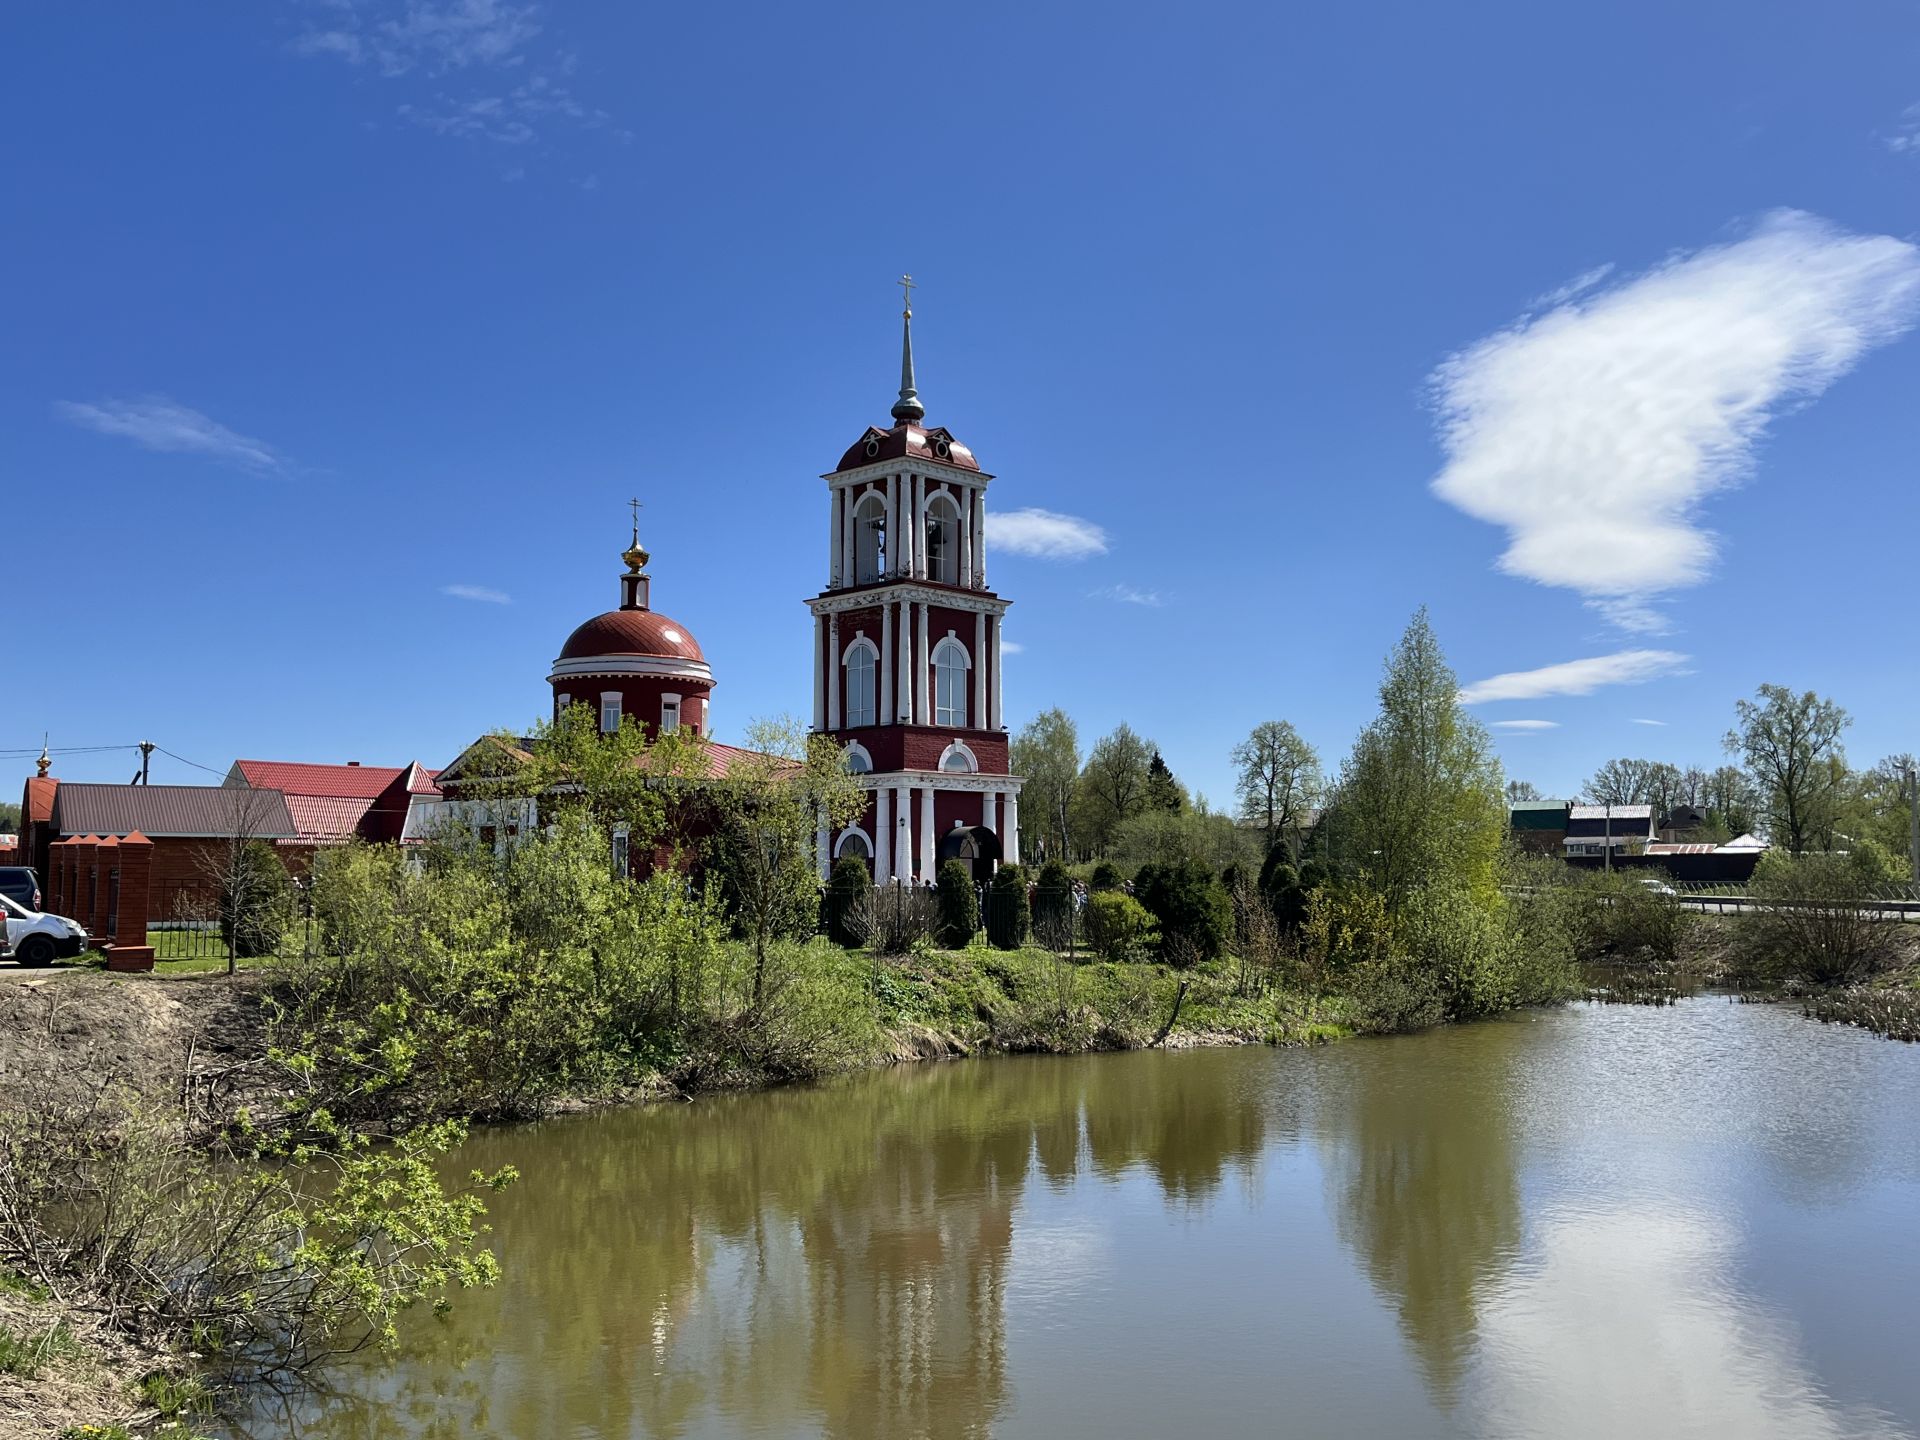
950,683
669,714
860,686
858,761
609,712
869,539
621,850
855,844
943,540
958,760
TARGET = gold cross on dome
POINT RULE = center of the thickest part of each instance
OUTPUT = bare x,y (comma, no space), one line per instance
635,503
907,287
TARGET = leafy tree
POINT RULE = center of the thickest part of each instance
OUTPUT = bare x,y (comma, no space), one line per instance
1637,782
256,902
1278,778
1787,741
786,784
1520,790
1047,753
1113,786
959,906
1106,876
1730,801
1421,800
1190,905
9,818
1164,793
1008,914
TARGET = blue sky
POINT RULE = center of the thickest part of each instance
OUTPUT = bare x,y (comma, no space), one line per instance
327,314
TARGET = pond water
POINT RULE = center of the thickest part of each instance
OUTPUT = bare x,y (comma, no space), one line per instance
1700,1220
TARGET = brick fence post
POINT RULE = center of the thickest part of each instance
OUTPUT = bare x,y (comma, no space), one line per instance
106,861
86,880
130,951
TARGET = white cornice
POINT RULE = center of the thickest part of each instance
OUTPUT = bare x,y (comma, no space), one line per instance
941,780
902,465
658,666
839,601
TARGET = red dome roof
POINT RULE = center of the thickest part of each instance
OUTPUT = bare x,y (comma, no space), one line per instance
632,632
907,442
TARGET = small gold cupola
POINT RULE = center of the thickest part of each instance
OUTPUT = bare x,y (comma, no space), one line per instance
635,585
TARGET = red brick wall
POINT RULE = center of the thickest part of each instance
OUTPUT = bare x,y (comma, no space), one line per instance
640,697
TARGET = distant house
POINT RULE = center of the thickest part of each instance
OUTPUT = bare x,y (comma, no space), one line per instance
1539,826
1681,823
1602,830
332,804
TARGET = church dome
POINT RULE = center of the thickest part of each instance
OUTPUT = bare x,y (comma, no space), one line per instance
907,441
633,632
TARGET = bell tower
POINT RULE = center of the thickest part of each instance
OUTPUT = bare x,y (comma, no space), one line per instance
906,648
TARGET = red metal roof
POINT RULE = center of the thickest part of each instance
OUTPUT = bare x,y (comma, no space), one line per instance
632,632
39,800
907,442
326,819
299,777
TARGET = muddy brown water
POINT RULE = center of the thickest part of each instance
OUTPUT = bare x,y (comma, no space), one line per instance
1607,1221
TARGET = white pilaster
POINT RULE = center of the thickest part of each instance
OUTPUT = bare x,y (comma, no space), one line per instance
834,549
998,686
979,716
927,863
833,672
1010,837
920,526
903,682
980,539
902,837
819,672
886,711
893,528
882,837
922,678
965,497
990,810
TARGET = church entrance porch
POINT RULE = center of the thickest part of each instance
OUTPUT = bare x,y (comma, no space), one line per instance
974,846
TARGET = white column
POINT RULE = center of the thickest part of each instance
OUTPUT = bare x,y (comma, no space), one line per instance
920,526
893,529
965,498
1010,837
979,716
998,686
819,672
833,672
980,539
903,679
922,680
882,836
833,549
886,711
902,838
927,865
990,810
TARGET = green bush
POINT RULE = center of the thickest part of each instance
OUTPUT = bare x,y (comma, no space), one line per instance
256,901
1818,923
1053,906
1106,876
1117,925
1190,906
959,906
1008,915
847,886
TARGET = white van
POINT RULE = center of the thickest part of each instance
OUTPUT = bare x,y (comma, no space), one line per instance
38,938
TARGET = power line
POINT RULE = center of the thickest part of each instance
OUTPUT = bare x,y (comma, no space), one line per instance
184,761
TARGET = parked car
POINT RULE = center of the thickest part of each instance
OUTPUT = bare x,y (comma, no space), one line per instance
38,938
1658,887
20,885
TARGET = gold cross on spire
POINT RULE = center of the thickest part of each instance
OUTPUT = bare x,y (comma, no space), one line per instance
907,287
635,503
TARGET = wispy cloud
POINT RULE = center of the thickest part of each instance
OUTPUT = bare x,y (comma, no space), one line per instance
477,592
1904,138
1128,595
1526,726
157,423
1649,722
401,36
1576,677
1045,533
1011,647
1593,432
1579,285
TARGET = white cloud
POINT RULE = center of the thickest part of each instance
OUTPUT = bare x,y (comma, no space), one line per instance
1649,722
1128,595
434,35
1593,433
1526,726
477,592
1011,647
157,423
1576,677
1906,139
1045,533
1579,285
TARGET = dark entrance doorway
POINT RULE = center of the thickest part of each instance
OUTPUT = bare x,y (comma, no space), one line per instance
974,846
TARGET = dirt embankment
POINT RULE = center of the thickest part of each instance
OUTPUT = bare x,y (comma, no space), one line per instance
71,1033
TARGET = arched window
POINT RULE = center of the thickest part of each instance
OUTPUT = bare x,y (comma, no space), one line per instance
869,539
854,842
950,666
957,759
857,760
943,539
860,661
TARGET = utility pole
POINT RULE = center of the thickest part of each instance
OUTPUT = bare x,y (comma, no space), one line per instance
146,754
1913,828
